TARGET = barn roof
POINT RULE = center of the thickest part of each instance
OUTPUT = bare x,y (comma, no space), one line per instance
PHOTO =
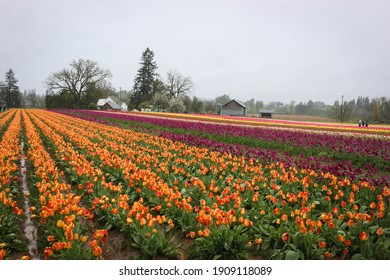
101,102
233,100
114,106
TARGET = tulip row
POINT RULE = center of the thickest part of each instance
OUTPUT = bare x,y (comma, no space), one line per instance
62,221
105,198
274,123
231,206
296,141
336,154
11,239
5,119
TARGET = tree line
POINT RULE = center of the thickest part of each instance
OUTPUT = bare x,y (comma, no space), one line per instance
84,82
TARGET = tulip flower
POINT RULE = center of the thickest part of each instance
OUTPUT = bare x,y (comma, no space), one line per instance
322,244
285,237
363,236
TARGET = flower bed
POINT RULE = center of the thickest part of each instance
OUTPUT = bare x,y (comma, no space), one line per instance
11,237
145,185
354,157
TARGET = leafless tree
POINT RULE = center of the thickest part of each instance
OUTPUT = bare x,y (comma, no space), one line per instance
178,85
343,111
75,80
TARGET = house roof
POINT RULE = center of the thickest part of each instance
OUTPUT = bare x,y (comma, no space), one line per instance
114,98
101,102
266,111
233,100
112,101
114,106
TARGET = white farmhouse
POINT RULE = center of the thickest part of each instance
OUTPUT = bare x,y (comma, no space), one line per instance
111,103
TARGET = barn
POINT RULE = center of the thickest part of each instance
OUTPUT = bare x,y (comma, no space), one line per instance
233,108
111,103
266,114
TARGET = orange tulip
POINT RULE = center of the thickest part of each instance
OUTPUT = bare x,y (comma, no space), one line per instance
48,251
258,241
50,238
363,236
340,238
191,234
60,223
328,255
2,254
285,237
97,251
347,243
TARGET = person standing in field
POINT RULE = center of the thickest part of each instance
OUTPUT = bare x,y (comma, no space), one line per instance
360,123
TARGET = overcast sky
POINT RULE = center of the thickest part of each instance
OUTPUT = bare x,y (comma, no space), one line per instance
270,50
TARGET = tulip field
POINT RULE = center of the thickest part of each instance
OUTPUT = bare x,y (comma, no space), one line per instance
81,185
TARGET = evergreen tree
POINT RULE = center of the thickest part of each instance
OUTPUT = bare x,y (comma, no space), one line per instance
10,90
144,82
196,106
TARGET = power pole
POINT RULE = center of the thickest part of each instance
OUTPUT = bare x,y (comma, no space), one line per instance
342,108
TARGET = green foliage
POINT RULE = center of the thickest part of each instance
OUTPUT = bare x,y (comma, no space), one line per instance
62,100
196,105
177,106
92,106
223,243
9,90
144,81
150,241
10,234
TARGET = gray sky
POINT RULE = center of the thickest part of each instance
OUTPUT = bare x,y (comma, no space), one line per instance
270,50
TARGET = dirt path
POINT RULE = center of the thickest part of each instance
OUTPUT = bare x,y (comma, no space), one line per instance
30,231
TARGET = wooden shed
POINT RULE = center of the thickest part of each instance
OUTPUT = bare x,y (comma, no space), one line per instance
266,114
233,108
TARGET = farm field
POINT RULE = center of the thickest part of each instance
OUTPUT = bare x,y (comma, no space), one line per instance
103,185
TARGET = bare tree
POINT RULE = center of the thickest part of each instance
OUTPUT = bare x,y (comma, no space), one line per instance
178,85
76,80
31,98
344,110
